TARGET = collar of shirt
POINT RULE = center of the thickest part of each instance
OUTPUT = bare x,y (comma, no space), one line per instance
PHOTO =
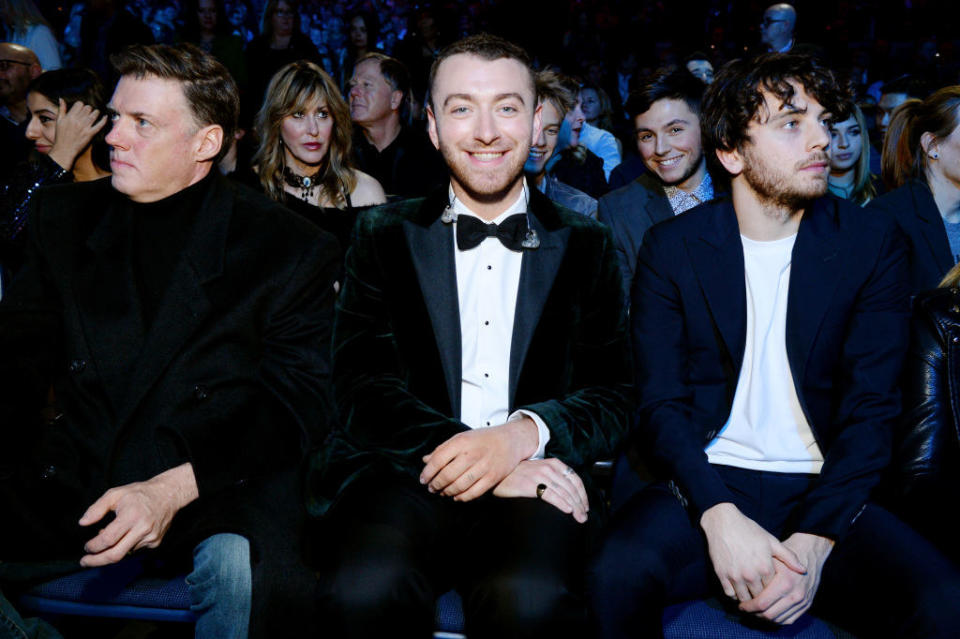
681,200
519,206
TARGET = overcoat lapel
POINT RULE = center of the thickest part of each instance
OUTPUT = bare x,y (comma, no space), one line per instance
430,242
538,270
717,258
814,274
185,304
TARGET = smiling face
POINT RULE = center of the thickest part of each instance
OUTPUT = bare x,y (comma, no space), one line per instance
546,143
157,145
786,160
484,120
42,129
668,138
846,144
306,137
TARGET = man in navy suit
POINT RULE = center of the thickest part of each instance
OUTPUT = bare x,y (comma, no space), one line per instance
768,333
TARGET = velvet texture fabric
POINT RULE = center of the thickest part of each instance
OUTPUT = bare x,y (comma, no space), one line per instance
232,375
846,333
397,345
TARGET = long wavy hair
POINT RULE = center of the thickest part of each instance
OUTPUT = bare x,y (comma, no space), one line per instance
293,88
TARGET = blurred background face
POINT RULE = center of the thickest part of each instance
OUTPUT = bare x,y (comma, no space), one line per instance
846,144
885,107
42,129
590,104
574,122
701,70
546,144
207,15
358,33
283,19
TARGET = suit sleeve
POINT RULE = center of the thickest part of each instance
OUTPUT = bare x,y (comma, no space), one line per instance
377,409
868,404
588,422
265,425
666,432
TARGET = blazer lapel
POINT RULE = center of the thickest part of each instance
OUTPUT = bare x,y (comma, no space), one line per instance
717,259
184,304
538,270
430,242
657,204
931,227
814,274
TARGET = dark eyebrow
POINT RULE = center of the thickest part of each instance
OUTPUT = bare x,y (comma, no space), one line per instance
676,121
788,110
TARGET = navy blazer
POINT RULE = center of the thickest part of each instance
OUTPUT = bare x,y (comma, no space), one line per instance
917,215
847,316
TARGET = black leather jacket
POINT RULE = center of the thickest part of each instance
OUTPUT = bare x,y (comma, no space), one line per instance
925,473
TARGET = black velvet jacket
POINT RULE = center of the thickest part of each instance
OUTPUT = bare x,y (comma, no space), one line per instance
925,474
396,347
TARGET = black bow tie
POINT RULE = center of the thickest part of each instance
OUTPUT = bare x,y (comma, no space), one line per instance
511,232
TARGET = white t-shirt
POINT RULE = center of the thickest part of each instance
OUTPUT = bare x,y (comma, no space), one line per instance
767,429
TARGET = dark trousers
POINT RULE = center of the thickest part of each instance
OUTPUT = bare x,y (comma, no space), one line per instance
391,548
881,580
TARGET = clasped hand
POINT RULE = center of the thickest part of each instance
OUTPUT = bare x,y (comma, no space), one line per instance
144,511
470,463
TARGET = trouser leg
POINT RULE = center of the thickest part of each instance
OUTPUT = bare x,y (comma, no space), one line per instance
522,570
220,587
883,579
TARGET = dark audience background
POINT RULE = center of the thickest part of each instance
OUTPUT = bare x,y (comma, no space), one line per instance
867,40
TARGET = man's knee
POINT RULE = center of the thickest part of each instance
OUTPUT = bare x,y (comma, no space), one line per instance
221,572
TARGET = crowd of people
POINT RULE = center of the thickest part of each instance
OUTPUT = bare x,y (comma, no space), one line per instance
337,316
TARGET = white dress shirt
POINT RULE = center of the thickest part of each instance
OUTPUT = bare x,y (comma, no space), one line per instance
488,277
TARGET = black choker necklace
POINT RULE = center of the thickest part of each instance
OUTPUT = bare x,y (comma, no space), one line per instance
306,184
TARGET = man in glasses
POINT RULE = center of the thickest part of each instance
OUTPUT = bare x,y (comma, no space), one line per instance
776,28
18,66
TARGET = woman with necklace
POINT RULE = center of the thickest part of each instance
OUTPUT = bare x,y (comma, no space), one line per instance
304,160
850,176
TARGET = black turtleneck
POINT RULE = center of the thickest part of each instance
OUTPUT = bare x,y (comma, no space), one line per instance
160,233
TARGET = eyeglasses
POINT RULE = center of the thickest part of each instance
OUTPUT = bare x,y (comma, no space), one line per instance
766,22
5,64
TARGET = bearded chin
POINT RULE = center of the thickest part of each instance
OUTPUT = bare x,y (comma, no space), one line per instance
776,191
484,188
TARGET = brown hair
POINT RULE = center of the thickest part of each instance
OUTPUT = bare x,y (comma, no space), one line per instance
208,87
551,88
295,87
487,47
903,156
266,19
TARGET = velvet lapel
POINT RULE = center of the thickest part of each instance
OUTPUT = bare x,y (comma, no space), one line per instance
106,299
717,258
430,242
814,274
931,226
184,304
538,270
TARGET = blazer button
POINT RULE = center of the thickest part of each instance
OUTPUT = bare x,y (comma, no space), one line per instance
201,392
77,365
48,472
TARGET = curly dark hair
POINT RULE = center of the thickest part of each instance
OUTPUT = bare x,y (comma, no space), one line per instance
736,96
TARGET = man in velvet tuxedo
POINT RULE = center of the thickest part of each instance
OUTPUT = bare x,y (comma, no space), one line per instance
174,325
768,333
479,368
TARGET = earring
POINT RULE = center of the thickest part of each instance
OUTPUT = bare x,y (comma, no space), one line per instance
935,155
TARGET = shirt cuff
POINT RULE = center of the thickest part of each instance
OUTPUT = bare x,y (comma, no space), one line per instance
543,433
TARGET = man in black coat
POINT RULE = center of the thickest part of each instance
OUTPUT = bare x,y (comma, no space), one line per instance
174,326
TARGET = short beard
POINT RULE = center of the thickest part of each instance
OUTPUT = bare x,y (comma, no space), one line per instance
493,195
689,172
774,191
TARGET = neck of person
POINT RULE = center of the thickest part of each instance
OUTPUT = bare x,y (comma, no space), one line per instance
280,41
489,207
315,193
946,194
18,111
842,180
84,169
760,219
693,182
538,178
382,133
207,36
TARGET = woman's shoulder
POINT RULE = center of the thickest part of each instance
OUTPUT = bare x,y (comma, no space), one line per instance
367,190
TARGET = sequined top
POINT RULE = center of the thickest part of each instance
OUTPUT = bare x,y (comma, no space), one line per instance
681,201
17,191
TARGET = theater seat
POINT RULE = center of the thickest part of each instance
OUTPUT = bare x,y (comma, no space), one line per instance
707,619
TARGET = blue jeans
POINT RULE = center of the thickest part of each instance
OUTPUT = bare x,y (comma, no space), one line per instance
220,587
